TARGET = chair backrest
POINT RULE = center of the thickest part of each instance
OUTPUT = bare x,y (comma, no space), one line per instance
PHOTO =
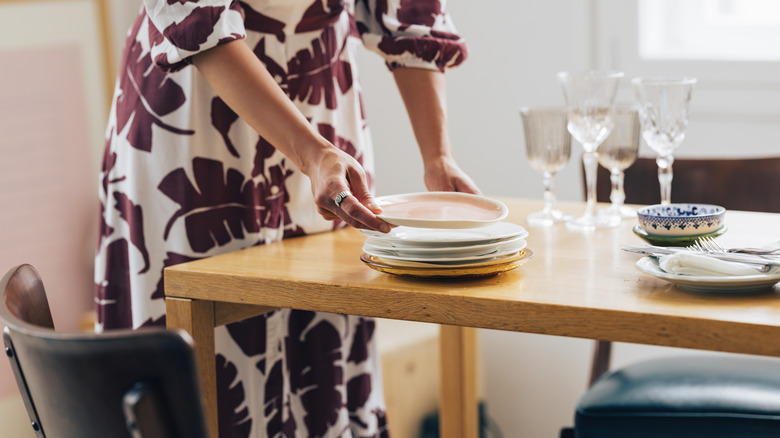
751,184
116,384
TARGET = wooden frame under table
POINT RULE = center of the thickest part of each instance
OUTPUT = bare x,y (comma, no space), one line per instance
577,284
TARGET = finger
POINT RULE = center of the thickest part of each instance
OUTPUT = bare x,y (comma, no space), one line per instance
326,214
359,216
467,186
357,182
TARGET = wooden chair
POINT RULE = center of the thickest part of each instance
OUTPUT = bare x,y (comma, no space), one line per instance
687,396
751,184
140,383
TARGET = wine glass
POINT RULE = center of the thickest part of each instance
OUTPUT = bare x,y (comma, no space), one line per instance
548,147
663,112
616,153
590,97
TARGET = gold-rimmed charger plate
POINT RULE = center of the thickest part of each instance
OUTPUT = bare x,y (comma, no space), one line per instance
430,270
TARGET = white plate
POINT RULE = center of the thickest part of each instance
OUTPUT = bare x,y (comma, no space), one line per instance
453,264
464,259
375,243
440,210
464,253
716,284
422,237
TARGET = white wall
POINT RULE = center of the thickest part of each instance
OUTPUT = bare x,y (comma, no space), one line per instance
530,382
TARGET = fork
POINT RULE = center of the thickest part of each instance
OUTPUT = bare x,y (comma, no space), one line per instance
709,244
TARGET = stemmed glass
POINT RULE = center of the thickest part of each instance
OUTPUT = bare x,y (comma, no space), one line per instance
663,112
548,147
616,153
590,97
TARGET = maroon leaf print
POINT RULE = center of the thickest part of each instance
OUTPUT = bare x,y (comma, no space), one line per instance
358,392
382,424
312,73
233,423
275,406
318,16
258,22
103,229
313,361
250,335
364,331
443,52
220,208
273,191
418,12
171,259
113,306
109,161
263,151
222,118
195,28
275,197
273,68
329,132
146,94
293,232
133,215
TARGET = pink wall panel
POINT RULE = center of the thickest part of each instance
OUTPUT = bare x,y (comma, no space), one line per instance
48,183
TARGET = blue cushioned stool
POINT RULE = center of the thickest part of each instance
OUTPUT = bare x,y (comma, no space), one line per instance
690,397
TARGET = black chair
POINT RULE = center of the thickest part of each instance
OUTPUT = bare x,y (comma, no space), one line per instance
140,383
688,397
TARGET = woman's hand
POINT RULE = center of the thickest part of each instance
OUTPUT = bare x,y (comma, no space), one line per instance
423,93
334,172
444,175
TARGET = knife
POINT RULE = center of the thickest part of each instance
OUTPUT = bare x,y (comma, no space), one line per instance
764,263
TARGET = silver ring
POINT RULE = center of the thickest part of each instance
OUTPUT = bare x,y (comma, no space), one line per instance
340,198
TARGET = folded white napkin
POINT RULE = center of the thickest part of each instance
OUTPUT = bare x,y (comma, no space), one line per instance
698,264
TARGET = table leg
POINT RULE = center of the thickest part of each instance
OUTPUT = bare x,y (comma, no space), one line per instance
197,318
459,417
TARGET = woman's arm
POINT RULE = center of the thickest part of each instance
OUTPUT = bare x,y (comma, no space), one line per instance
424,95
243,82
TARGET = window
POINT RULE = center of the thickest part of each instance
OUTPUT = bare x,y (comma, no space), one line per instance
718,30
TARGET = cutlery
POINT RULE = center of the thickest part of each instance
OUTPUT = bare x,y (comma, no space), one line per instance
763,264
757,251
709,244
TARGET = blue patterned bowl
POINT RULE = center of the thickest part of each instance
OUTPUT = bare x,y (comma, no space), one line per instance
681,219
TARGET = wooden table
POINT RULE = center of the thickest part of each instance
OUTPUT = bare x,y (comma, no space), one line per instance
578,284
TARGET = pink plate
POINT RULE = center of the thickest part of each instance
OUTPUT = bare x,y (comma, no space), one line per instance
441,210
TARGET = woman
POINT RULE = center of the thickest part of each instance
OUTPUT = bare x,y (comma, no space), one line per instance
240,123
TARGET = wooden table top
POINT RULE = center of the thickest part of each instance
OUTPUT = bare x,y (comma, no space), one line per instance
577,284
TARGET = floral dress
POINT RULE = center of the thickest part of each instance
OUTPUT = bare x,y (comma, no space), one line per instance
184,178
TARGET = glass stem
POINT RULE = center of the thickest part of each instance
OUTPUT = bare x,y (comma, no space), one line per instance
665,178
549,191
617,196
590,164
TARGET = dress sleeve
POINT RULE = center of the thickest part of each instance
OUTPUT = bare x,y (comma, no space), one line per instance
410,33
180,29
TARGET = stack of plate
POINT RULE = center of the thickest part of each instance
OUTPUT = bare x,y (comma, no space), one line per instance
435,252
